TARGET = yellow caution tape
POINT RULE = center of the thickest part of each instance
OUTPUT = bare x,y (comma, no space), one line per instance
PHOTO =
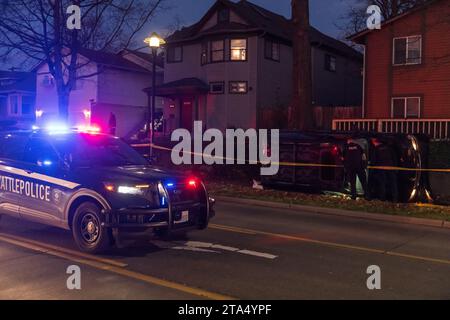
297,164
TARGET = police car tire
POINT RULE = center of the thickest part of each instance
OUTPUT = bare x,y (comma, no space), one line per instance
103,240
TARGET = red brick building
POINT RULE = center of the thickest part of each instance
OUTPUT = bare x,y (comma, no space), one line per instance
407,65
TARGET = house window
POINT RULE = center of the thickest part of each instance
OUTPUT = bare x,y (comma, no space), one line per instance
406,107
407,50
238,49
204,55
272,50
330,63
27,105
3,106
217,88
47,81
238,87
21,105
174,54
218,51
14,105
223,15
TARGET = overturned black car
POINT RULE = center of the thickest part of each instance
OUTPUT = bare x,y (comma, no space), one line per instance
314,160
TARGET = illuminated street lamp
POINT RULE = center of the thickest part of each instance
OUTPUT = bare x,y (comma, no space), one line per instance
154,42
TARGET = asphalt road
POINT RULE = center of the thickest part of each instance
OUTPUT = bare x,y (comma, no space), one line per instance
247,253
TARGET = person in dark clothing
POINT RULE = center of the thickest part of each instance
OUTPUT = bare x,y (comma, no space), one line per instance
112,124
355,163
384,156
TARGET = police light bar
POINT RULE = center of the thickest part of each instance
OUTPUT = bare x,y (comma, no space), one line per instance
88,129
57,128
192,182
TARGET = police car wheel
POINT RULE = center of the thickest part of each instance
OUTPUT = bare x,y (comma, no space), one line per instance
87,230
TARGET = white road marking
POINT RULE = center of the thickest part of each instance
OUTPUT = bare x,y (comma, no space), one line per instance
225,248
207,247
258,254
196,244
194,249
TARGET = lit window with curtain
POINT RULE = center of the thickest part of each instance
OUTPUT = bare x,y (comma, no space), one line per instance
238,50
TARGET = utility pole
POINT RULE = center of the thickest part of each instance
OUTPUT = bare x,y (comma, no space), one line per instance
301,115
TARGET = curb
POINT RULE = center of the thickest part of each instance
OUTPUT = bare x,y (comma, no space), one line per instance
340,212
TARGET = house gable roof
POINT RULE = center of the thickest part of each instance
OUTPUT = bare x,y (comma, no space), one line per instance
11,81
360,36
111,60
106,59
149,57
259,20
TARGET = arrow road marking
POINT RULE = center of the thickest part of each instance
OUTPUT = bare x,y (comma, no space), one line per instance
207,247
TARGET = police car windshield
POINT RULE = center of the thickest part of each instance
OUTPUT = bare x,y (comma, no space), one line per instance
87,150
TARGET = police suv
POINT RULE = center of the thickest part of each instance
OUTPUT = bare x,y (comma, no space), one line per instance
96,186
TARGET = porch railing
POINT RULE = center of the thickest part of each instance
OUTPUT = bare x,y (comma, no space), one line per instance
436,129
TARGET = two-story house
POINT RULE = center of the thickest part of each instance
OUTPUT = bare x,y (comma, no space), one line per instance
236,62
407,72
114,86
17,96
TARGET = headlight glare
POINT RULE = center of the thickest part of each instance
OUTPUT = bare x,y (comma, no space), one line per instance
129,190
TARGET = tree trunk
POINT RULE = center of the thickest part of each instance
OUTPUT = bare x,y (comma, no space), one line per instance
61,87
63,106
301,115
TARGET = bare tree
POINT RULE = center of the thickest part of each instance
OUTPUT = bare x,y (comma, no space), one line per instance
356,17
301,115
38,30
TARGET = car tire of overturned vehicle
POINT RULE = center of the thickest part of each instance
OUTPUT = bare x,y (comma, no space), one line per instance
90,236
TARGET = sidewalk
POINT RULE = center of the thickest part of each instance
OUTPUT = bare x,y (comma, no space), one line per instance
338,212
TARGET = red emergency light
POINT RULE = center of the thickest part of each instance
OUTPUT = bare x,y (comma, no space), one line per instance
93,129
192,183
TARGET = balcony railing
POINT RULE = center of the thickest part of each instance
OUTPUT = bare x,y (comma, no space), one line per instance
436,129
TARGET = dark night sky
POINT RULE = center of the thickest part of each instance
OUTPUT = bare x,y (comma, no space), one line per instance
324,13
324,16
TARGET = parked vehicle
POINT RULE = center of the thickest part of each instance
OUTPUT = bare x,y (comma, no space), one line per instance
96,186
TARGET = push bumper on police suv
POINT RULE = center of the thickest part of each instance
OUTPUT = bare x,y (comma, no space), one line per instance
181,208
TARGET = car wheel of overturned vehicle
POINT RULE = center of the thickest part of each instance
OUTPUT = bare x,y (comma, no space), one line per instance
87,230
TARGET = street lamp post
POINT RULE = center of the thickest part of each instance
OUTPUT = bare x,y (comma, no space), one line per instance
154,42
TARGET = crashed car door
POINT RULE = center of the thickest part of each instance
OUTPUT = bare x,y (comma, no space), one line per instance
46,191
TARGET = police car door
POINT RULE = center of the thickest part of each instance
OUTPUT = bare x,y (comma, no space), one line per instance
46,192
12,146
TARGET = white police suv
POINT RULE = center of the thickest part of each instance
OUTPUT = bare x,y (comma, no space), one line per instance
96,186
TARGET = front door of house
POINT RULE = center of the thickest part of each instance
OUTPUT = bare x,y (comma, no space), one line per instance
186,114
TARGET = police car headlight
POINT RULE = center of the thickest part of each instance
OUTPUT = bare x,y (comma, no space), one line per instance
129,190
132,190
